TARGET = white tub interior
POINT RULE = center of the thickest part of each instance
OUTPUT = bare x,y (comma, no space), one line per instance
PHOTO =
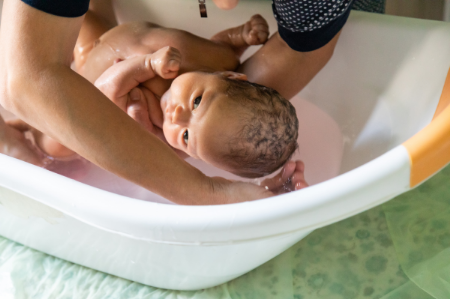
381,87
357,108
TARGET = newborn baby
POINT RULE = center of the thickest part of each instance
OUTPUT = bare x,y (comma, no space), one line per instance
183,89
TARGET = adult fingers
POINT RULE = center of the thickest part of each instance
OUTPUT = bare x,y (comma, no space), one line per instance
281,179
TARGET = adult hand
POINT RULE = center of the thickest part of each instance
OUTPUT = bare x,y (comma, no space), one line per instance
290,178
227,192
226,4
13,143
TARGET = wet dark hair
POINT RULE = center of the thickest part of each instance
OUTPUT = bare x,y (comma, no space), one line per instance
268,136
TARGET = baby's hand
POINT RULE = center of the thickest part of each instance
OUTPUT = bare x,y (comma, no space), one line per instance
166,62
256,31
143,107
290,178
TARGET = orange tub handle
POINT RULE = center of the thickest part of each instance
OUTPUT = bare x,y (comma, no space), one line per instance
429,149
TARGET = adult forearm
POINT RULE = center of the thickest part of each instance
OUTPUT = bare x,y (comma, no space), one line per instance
278,66
37,84
80,117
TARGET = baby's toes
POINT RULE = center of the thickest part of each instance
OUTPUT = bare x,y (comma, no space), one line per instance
256,37
251,38
258,34
260,25
258,20
262,35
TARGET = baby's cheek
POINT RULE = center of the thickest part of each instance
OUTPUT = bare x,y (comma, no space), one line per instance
171,135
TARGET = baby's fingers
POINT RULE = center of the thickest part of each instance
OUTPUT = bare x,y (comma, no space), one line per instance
172,68
138,110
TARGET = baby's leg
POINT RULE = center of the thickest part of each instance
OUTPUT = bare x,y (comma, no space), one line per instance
254,32
44,142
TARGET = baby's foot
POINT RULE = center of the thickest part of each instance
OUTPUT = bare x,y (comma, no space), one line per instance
255,31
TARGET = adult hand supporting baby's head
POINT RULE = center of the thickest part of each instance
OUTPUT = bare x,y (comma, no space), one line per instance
226,4
235,191
290,178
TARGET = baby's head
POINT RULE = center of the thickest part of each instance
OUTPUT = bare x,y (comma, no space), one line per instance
242,127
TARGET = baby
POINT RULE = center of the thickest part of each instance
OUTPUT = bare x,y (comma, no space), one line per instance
183,89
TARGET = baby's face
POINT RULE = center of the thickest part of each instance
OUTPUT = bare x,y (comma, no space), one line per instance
199,118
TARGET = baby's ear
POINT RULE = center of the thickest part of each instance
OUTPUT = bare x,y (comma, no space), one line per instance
234,75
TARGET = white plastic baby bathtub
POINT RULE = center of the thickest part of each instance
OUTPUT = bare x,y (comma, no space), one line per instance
371,128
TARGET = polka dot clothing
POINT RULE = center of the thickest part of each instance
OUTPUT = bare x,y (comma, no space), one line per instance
308,15
307,25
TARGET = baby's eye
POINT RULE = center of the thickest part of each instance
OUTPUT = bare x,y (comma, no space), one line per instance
186,137
197,101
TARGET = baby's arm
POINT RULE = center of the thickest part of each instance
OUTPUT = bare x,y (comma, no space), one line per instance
116,84
121,84
121,78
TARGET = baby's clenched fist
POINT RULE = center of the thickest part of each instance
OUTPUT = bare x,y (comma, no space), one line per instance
166,62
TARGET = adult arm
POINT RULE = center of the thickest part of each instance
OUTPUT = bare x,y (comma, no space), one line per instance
288,71
294,55
37,84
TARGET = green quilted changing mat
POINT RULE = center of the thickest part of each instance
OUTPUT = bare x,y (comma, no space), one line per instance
400,250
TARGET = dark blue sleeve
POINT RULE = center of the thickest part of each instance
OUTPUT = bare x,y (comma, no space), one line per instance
312,40
62,8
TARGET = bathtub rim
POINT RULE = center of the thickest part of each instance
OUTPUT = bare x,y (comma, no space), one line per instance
214,224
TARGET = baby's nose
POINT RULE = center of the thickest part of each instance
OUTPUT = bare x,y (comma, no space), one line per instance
180,116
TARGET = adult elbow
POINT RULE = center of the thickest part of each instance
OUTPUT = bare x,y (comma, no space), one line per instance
5,90
13,89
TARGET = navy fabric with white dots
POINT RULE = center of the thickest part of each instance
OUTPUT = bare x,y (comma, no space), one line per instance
308,15
307,25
